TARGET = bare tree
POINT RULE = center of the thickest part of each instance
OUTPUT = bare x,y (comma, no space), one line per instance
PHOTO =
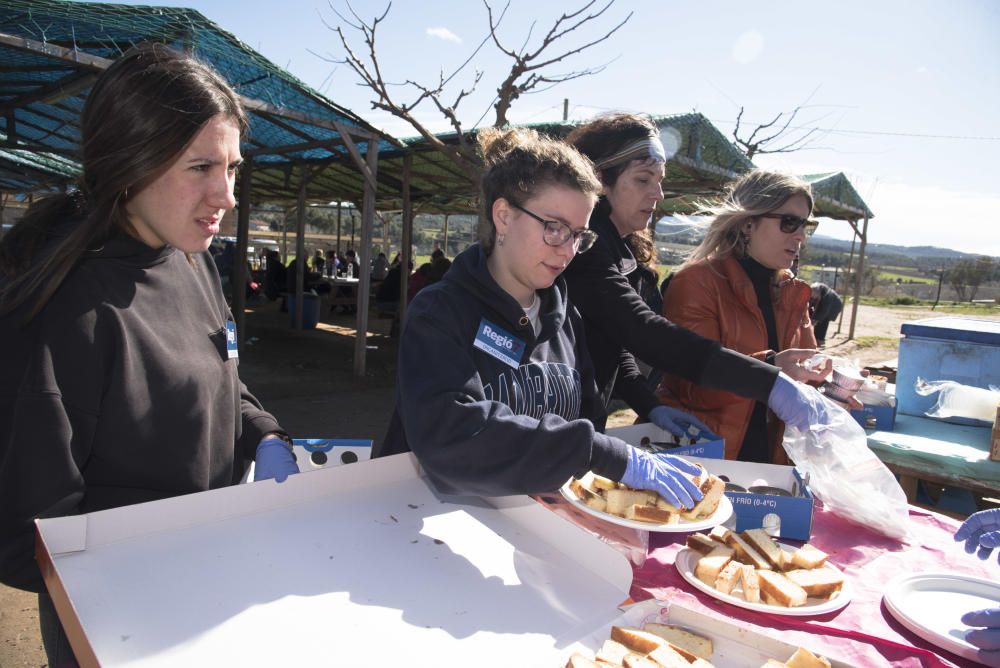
530,71
778,135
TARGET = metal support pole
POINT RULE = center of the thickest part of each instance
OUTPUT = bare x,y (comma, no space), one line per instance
364,285
238,275
300,250
860,277
407,241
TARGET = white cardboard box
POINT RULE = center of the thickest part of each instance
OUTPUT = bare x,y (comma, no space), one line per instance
359,565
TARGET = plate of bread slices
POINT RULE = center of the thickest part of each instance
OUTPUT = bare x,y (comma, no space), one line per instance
645,509
751,570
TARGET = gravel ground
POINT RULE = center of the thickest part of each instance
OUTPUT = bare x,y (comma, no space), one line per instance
305,379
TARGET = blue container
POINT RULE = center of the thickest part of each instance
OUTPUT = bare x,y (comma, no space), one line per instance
310,310
964,350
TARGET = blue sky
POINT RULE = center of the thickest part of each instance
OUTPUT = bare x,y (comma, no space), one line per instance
907,93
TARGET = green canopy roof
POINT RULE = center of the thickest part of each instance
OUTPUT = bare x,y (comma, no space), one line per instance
835,197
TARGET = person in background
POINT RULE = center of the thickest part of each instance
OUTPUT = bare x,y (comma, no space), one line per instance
380,267
496,393
274,274
428,273
350,268
318,262
630,159
332,263
736,287
981,534
120,380
825,306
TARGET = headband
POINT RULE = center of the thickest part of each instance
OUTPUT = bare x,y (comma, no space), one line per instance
649,148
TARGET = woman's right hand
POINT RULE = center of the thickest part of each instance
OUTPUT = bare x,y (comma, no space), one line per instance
667,475
798,404
791,361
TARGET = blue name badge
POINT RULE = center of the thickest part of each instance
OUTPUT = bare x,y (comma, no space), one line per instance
498,343
232,350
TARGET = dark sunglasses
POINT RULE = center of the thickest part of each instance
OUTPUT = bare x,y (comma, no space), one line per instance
790,224
557,233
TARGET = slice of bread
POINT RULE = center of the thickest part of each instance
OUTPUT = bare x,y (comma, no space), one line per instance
635,639
636,661
662,504
778,589
600,482
651,514
746,553
713,496
809,557
619,500
580,661
818,582
761,542
697,645
701,543
589,497
708,567
728,577
666,656
719,533
751,583
803,658
612,653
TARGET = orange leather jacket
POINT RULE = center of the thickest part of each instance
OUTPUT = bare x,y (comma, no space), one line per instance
716,299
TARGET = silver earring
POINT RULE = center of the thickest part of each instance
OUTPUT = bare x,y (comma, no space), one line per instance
500,239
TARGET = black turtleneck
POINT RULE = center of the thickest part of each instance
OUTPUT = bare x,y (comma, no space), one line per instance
755,446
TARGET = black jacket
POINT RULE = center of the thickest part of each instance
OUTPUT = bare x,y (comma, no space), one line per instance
617,319
120,391
479,425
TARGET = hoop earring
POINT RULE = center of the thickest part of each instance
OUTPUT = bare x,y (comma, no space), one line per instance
500,239
744,243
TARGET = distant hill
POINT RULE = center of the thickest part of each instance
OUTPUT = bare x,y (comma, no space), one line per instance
672,231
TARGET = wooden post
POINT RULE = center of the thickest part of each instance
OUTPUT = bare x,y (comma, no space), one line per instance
445,249
238,275
407,241
300,250
364,258
339,212
860,277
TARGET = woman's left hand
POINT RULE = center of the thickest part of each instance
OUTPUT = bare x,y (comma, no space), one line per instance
791,362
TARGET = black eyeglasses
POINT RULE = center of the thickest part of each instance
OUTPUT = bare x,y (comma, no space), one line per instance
557,233
790,224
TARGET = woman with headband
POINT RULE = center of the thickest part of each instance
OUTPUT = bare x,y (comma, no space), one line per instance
737,287
630,159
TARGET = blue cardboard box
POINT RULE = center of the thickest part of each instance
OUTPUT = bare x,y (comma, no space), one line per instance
650,437
876,414
965,350
782,515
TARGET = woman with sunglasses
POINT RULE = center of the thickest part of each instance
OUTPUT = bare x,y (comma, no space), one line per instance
496,393
630,158
737,287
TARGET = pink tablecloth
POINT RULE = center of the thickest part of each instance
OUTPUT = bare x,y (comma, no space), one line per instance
862,634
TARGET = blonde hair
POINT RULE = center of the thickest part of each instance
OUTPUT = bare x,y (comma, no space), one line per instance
747,197
518,163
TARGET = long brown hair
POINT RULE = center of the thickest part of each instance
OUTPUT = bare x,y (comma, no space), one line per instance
140,115
520,162
754,193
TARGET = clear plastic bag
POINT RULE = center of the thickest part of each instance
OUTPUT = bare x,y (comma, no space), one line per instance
847,476
957,400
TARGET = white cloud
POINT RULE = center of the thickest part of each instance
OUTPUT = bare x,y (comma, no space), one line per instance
440,32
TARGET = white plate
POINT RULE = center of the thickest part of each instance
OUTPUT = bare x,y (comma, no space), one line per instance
721,514
687,559
931,605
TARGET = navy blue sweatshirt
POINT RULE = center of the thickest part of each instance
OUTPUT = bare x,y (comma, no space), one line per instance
486,406
617,319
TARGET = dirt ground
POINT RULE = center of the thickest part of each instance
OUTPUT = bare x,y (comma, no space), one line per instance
305,379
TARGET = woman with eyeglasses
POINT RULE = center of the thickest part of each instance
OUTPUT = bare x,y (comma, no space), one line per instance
737,287
496,393
630,158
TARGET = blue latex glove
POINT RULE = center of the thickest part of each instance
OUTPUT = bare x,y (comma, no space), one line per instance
798,404
667,475
987,636
274,460
677,422
981,533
